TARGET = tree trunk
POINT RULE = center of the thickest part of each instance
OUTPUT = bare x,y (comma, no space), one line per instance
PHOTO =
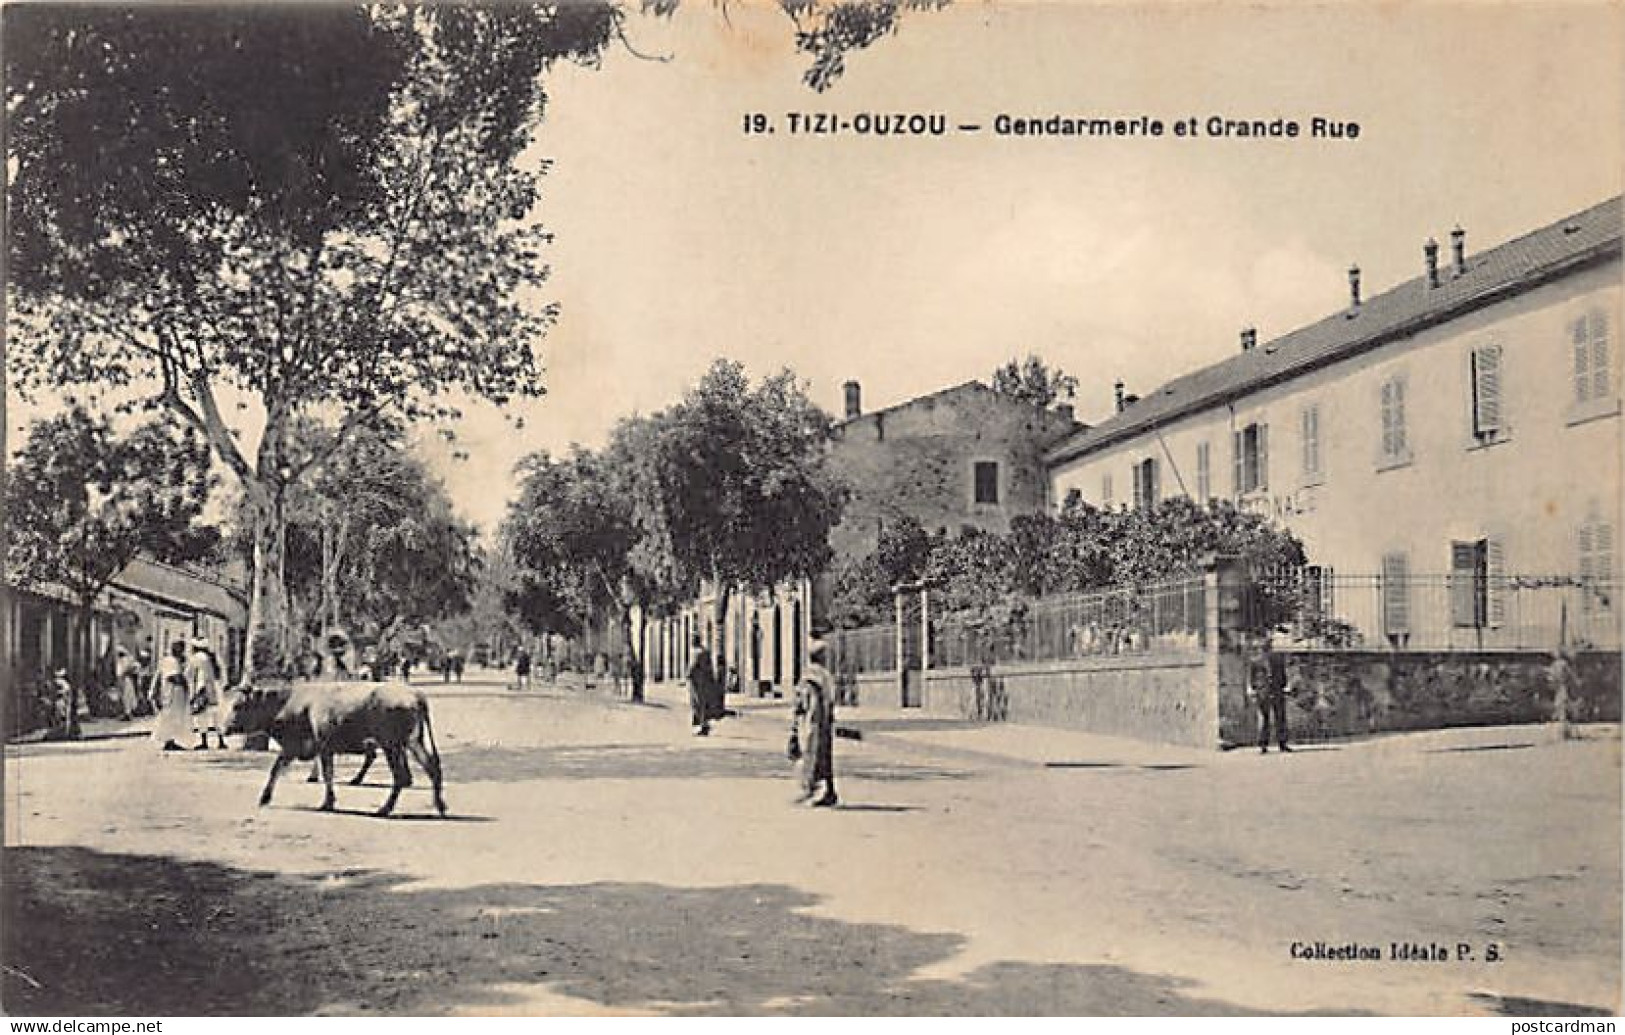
256,592
719,656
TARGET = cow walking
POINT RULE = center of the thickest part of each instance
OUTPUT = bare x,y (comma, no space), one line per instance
320,720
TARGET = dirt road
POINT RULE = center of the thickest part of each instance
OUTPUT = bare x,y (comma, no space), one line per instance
601,860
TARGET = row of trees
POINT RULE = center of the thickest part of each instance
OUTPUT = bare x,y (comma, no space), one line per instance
727,489
307,212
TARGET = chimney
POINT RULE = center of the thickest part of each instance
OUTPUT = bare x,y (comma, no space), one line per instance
1354,288
1065,412
1458,249
854,399
1430,255
1249,338
1119,396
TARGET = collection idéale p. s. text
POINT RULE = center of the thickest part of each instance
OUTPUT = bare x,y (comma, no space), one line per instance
1148,127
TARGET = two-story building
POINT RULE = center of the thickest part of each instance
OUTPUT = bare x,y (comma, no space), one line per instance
1464,424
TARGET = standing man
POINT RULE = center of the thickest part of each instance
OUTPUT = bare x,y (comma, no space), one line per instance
207,703
700,678
815,699
1266,682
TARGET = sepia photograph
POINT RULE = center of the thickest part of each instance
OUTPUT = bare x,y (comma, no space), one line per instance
812,508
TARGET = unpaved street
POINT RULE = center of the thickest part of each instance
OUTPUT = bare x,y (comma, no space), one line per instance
599,859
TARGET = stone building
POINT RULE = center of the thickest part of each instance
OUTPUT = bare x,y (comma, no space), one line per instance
962,457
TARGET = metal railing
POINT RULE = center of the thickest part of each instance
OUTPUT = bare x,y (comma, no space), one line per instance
1319,610
870,649
1168,617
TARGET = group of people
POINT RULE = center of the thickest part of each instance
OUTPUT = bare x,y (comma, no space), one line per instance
812,718
186,689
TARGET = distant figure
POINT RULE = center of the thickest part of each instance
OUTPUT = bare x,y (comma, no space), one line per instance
1266,683
815,700
406,668
521,669
700,677
173,698
457,662
1565,685
126,676
207,702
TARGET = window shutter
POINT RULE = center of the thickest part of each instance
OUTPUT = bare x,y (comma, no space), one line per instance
1239,450
1495,600
1396,603
1263,456
1204,475
1399,416
1388,419
1599,355
1487,390
1464,585
1582,361
1156,481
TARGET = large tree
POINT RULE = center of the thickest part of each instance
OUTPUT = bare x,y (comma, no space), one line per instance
300,208
82,503
297,208
734,490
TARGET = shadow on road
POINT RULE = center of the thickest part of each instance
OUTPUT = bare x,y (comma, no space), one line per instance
94,934
657,762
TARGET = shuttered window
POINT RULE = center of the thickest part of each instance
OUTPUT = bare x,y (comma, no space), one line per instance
1486,373
1310,431
1147,487
1596,541
1252,458
1394,439
1396,595
1592,362
1105,490
1478,584
1204,473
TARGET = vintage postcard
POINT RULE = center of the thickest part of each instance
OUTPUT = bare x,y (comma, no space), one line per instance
812,508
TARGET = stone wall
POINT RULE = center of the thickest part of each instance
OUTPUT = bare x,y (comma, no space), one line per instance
1348,693
1166,698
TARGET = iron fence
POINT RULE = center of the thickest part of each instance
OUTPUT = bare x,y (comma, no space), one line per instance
1320,610
870,649
1168,617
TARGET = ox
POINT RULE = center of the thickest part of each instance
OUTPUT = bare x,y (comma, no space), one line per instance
320,720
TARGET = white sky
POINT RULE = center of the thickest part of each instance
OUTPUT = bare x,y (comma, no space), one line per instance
910,265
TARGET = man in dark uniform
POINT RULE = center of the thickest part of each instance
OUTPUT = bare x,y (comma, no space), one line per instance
700,677
1266,682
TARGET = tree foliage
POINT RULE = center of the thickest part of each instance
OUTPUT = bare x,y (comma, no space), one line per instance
82,503
1031,380
864,586
373,542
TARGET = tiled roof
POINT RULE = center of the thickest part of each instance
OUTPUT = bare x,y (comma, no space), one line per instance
154,580
1491,275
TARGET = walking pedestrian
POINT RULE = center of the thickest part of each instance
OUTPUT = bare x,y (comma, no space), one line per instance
521,669
203,678
815,701
173,698
700,677
1266,684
